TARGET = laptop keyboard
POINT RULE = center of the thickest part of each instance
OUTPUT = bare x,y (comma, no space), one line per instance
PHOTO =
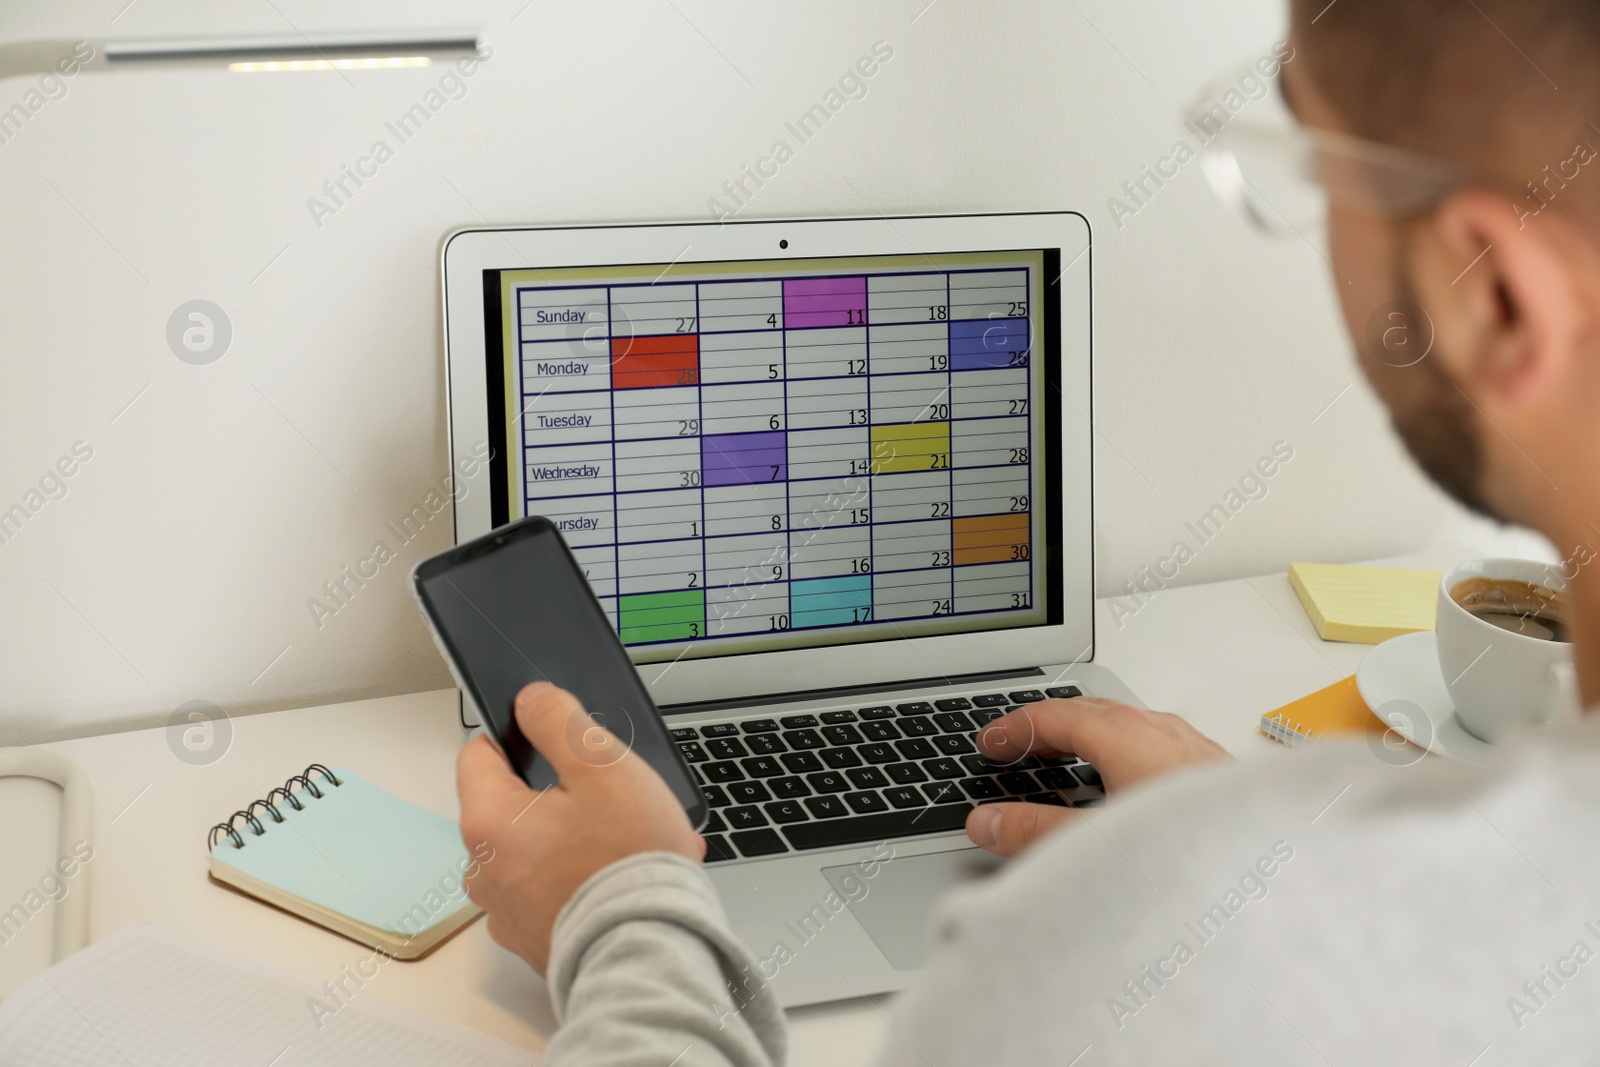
854,776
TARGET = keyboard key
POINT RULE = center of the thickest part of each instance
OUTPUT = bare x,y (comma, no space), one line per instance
795,722
716,796
840,758
953,744
865,803
879,731
917,726
1057,778
692,752
787,788
953,722
833,718
943,767
842,735
991,700
1026,696
915,707
1091,802
745,818
866,778
786,811
905,773
982,788
726,748
916,748
721,729
984,716
878,752
953,704
867,828
1018,783
826,807
724,772
714,824
800,740
978,764
904,796
1047,798
880,712
748,792
759,842
942,793
760,766
1087,774
718,849
828,782
801,762
759,726
764,744
1064,692
684,733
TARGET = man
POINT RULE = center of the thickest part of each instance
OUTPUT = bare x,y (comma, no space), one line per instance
1325,908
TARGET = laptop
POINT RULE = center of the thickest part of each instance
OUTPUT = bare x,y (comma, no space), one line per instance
831,479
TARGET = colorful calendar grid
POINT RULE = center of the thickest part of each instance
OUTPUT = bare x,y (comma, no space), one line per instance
746,455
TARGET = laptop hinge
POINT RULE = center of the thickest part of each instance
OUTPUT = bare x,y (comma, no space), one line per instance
826,696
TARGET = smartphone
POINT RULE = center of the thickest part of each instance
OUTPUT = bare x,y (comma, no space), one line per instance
513,607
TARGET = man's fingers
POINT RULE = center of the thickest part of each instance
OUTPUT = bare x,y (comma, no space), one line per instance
558,727
1009,828
1081,726
484,780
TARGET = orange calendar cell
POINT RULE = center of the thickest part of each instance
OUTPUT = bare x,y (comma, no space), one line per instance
989,538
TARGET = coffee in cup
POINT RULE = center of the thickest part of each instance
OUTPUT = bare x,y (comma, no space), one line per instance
1502,632
1520,607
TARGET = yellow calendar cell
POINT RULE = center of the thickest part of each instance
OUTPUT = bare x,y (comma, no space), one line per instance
910,446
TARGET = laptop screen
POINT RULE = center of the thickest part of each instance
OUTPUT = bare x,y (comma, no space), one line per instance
760,455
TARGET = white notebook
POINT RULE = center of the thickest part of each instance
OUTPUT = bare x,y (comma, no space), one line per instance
144,996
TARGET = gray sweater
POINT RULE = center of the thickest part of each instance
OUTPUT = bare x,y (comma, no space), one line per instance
1345,905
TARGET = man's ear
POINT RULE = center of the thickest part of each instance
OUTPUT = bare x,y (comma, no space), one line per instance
1505,295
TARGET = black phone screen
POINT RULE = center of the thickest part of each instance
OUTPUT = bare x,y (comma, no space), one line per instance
513,607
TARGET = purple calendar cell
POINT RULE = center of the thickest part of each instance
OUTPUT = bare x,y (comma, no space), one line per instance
824,302
983,344
744,458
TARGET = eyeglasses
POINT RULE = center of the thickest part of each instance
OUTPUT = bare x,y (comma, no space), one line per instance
1280,175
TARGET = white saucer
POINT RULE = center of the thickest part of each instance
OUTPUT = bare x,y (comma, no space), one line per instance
1401,683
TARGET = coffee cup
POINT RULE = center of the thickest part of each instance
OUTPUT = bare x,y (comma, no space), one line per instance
1503,650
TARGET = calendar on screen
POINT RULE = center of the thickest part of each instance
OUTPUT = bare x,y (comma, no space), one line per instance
773,454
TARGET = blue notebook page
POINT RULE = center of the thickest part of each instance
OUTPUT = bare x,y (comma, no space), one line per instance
360,851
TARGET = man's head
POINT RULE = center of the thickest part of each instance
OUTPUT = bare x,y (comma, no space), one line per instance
1502,275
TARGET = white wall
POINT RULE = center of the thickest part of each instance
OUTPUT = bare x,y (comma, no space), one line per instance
180,562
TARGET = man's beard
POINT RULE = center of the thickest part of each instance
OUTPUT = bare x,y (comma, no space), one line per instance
1435,420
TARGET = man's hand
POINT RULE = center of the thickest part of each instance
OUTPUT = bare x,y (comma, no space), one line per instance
1125,744
610,805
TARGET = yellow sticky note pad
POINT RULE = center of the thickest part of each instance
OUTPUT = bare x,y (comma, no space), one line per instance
1365,605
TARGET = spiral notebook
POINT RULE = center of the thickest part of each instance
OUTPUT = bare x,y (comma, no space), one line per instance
332,848
1335,709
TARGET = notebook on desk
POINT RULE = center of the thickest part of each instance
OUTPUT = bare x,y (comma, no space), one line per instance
332,848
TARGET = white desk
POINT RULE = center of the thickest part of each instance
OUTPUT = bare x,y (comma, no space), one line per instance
1219,654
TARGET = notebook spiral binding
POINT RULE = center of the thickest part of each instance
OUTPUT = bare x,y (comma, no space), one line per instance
286,793
1291,733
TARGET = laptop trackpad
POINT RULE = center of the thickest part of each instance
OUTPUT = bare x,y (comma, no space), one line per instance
897,910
